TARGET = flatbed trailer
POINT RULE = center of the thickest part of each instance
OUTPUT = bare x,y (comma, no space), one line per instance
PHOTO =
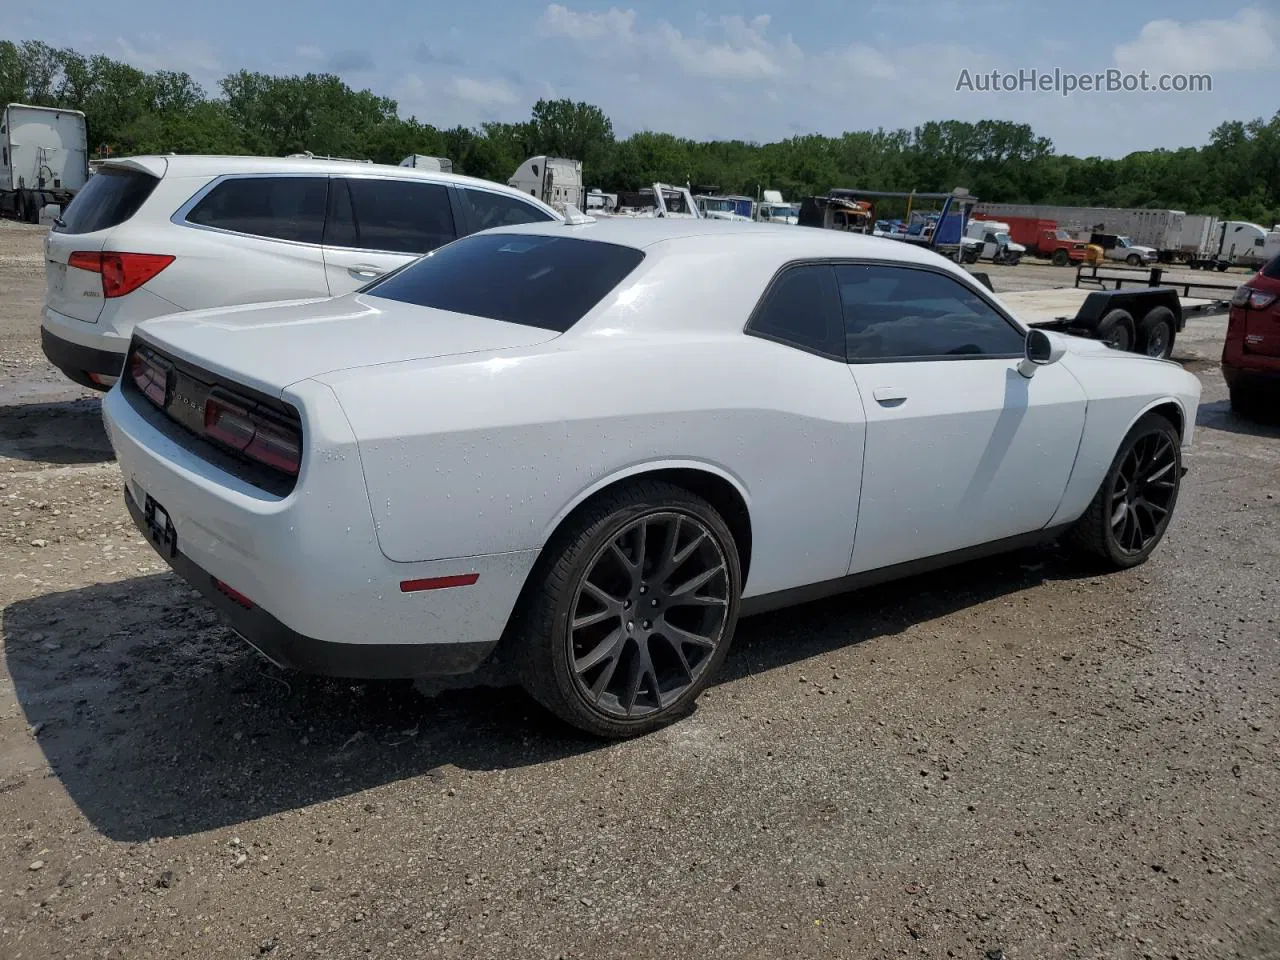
1139,313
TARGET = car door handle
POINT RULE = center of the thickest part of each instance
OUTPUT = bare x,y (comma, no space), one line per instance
364,270
888,395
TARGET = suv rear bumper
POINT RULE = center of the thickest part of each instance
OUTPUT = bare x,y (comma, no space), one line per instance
77,361
1253,379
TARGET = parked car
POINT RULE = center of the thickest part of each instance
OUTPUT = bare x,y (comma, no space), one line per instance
1251,353
1122,248
606,442
149,236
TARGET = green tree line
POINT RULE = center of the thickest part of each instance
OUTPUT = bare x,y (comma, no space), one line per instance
131,111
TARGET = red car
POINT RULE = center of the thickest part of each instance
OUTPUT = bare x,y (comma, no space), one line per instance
1251,355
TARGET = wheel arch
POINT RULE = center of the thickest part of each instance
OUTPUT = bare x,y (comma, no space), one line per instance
725,492
714,484
1170,409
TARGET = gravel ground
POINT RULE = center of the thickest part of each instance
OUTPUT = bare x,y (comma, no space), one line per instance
1013,759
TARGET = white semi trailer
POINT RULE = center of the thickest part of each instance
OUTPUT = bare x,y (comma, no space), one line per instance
44,158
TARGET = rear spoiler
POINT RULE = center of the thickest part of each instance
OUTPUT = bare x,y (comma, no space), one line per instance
155,166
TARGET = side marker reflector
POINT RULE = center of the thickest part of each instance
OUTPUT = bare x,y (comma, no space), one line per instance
439,583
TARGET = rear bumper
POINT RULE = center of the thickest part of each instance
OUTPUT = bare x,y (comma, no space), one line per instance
1253,379
291,650
321,597
77,361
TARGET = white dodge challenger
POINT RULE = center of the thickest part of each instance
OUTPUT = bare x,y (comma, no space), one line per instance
604,442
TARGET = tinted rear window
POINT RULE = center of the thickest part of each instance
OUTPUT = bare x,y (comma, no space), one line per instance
1272,269
539,281
278,208
109,198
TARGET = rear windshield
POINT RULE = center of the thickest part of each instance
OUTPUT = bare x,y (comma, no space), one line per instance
109,198
1272,269
538,281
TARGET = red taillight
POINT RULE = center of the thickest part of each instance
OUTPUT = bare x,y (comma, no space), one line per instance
84,260
149,376
1247,296
271,443
122,273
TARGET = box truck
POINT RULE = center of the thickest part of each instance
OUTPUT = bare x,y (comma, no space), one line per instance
1159,229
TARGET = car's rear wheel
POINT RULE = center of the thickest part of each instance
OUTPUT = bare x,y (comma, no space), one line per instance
1131,511
635,611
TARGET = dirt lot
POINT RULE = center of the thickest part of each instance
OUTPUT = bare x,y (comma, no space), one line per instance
1014,759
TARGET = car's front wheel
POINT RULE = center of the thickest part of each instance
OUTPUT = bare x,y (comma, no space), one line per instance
1131,510
634,612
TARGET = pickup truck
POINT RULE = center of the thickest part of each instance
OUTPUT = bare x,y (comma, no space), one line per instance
1115,247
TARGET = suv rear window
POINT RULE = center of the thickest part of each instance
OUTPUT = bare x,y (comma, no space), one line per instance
1272,269
538,281
278,208
109,198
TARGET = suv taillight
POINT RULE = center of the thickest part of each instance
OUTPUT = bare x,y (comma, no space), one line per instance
1247,296
122,273
255,435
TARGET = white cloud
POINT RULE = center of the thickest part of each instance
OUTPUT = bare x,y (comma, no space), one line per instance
740,51
309,52
151,52
612,24
744,54
483,93
1247,41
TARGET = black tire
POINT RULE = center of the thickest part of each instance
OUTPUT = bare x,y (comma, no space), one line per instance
1222,267
550,672
1095,533
1060,258
20,207
1133,260
1117,330
1156,333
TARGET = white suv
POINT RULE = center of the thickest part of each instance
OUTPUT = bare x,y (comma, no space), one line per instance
148,236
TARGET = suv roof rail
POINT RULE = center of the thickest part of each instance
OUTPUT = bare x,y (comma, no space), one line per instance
308,155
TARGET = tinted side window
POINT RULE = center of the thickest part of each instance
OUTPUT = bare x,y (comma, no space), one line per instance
109,198
499,210
897,313
802,308
400,216
278,208
1272,269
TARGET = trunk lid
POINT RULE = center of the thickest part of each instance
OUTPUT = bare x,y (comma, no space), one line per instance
109,198
269,346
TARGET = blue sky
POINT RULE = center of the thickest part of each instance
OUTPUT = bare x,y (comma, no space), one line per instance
722,68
